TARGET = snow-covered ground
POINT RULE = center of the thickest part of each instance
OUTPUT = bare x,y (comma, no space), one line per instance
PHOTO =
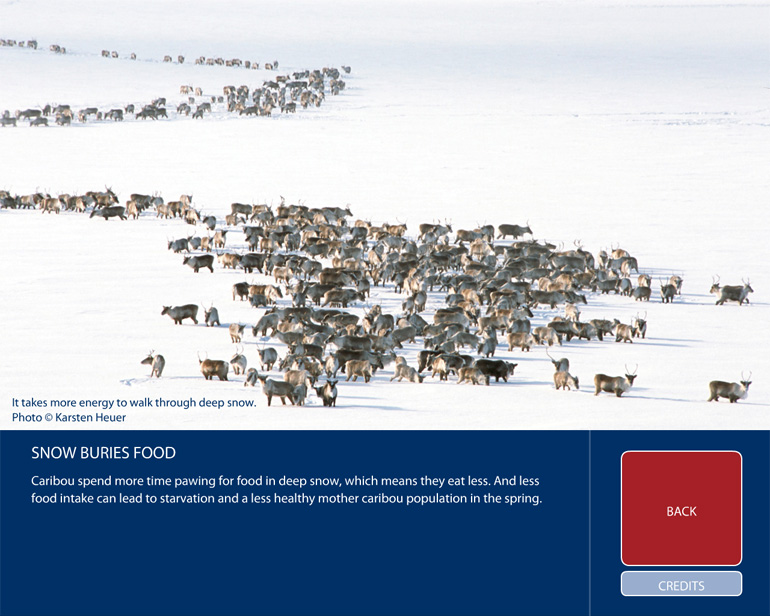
612,123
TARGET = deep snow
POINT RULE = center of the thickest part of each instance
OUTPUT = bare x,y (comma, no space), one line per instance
611,123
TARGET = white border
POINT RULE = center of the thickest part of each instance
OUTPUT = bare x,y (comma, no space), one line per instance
740,575
678,451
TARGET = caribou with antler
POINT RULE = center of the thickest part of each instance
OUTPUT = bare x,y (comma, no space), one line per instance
731,391
211,316
238,361
614,384
213,367
667,292
559,365
434,230
156,361
731,293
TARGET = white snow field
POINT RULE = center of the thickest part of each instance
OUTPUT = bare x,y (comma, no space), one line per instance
631,124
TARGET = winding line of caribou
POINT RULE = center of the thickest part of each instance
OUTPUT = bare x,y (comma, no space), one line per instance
180,59
203,61
317,264
304,88
285,92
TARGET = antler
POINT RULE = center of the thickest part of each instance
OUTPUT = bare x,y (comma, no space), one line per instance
634,372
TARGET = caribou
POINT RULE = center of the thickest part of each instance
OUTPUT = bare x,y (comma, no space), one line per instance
180,313
238,361
544,334
732,391
236,332
446,364
614,384
564,380
156,361
270,321
251,377
328,393
200,261
110,212
667,292
281,389
495,368
559,365
488,346
523,340
355,368
515,231
241,290
731,293
211,316
267,358
182,244
640,326
300,393
403,371
623,333
211,368
471,374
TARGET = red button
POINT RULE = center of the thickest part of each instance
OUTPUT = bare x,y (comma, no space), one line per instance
681,508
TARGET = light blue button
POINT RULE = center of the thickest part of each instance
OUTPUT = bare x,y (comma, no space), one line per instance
681,583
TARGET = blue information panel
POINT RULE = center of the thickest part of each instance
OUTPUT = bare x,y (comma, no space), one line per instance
194,522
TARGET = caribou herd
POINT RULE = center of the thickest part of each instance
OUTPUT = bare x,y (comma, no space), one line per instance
282,92
311,274
180,59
